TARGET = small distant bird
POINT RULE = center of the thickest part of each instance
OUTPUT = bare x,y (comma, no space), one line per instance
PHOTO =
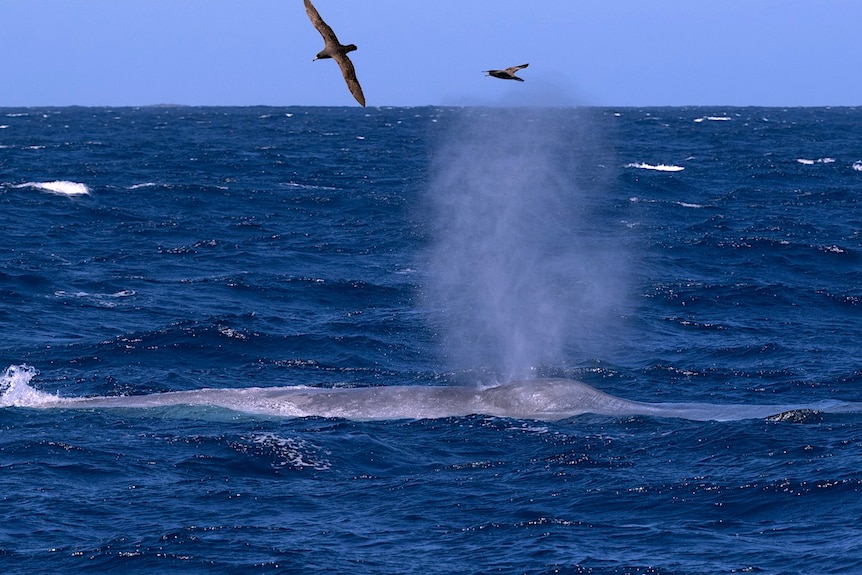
507,74
335,50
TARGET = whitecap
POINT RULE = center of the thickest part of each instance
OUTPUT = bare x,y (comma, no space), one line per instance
62,187
807,162
713,119
656,167
292,184
689,205
121,293
857,166
105,300
144,185
231,333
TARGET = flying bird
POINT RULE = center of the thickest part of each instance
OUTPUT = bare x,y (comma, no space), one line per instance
335,50
507,74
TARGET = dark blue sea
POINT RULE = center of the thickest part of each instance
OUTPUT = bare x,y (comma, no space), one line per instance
707,256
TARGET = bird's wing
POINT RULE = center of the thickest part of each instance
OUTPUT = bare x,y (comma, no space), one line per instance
349,73
317,21
514,69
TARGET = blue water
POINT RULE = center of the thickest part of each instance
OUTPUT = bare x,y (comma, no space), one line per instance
659,255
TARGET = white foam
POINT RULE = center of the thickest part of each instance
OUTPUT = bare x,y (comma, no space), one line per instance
713,119
857,166
290,452
808,162
15,391
656,167
121,293
62,187
635,199
107,300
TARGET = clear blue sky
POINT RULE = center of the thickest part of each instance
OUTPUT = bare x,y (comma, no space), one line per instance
412,52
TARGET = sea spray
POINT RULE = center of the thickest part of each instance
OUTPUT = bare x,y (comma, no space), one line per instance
15,388
516,280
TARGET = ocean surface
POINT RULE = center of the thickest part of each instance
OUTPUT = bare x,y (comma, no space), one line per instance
407,264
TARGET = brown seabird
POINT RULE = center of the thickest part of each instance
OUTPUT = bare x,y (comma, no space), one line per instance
335,50
507,74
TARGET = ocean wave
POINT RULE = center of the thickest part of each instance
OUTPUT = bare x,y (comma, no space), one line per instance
656,167
107,300
857,166
808,162
292,184
635,199
122,293
62,187
832,249
713,118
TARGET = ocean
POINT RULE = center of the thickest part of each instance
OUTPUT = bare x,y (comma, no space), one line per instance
285,340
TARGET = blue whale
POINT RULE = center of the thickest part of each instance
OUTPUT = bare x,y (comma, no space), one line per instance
539,399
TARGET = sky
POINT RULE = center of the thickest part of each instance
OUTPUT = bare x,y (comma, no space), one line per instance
415,53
